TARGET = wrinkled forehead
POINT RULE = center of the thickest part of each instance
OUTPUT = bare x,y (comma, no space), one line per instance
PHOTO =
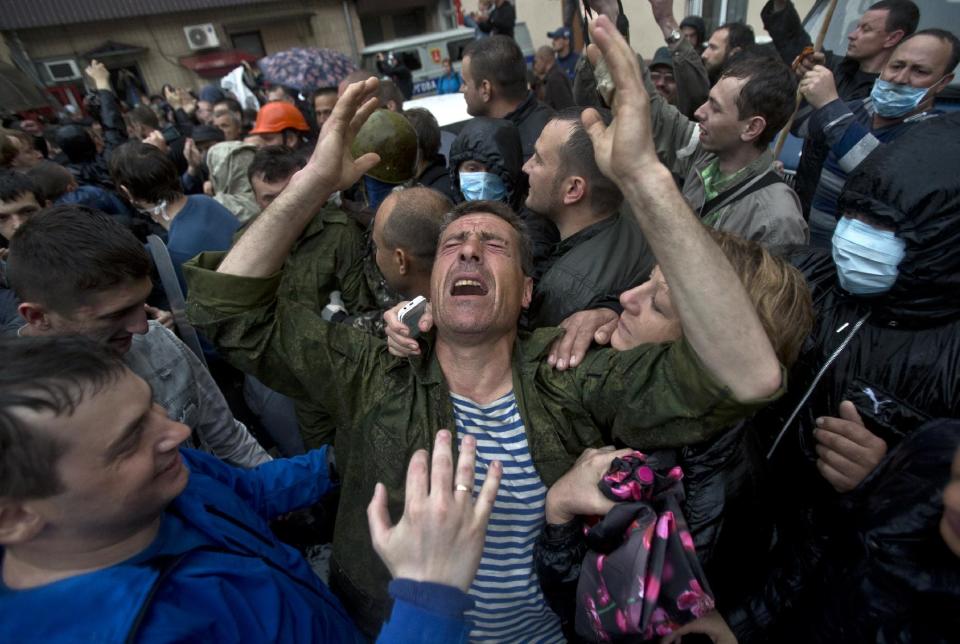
922,50
481,225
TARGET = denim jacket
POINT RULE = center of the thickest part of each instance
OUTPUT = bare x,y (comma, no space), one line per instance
184,387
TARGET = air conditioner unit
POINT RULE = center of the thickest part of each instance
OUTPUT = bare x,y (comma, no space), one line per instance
201,36
62,70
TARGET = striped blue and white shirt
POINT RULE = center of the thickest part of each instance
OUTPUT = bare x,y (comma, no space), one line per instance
510,606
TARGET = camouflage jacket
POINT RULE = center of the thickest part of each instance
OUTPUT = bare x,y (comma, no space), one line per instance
386,407
328,257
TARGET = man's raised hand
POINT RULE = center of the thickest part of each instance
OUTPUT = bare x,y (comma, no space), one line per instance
331,166
625,147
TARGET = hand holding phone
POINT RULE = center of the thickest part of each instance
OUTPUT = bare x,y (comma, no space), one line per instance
411,313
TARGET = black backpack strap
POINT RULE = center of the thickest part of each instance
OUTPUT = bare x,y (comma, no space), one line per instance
759,182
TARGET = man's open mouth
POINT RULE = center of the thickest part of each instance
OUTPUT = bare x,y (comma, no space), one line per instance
467,286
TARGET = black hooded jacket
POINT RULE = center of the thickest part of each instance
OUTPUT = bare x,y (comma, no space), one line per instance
496,144
900,368
880,571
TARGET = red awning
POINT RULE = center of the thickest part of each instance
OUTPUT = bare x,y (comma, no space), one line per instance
217,63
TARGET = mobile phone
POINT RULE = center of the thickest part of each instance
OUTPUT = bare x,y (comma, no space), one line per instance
411,313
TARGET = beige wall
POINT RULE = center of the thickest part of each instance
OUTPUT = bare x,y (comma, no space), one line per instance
297,23
542,16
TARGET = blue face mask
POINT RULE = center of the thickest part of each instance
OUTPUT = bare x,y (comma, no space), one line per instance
377,191
893,100
482,185
866,257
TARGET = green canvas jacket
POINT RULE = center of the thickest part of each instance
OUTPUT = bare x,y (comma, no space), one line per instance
328,257
386,407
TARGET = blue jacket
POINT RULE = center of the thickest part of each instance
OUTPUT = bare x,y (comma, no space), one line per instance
449,84
217,573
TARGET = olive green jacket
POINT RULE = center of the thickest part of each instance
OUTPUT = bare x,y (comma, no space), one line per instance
328,257
387,407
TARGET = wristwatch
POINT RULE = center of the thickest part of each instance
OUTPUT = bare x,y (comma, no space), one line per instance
674,37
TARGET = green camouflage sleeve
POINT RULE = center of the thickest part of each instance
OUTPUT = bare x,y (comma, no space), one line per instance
286,345
657,396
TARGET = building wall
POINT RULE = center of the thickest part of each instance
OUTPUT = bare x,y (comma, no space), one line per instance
542,16
296,23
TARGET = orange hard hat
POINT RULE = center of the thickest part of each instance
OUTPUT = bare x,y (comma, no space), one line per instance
278,116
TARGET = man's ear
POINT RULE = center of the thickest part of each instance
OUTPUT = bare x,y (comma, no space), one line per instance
574,190
527,291
486,91
126,193
893,38
402,260
35,315
941,85
753,129
19,523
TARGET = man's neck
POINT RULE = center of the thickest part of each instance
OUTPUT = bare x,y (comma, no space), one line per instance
734,160
571,221
874,64
418,286
499,108
49,560
481,372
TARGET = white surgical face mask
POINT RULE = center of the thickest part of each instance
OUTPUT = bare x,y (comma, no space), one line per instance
867,258
476,186
159,210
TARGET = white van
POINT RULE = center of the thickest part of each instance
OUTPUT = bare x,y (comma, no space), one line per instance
423,55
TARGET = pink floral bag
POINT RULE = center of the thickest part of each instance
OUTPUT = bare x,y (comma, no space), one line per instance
641,578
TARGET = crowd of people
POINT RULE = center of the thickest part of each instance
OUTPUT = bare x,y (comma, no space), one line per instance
655,391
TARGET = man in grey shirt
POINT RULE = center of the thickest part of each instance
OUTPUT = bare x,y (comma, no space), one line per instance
78,272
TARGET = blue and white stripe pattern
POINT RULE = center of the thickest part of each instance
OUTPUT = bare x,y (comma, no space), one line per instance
509,604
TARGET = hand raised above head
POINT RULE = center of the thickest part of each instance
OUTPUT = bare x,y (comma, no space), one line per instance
98,72
331,167
625,147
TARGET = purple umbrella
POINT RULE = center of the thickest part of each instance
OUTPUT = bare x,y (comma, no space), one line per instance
306,69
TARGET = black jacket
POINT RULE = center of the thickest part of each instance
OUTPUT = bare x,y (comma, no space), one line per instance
530,117
878,569
400,75
589,268
437,176
501,21
496,144
900,368
789,37
555,90
88,167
